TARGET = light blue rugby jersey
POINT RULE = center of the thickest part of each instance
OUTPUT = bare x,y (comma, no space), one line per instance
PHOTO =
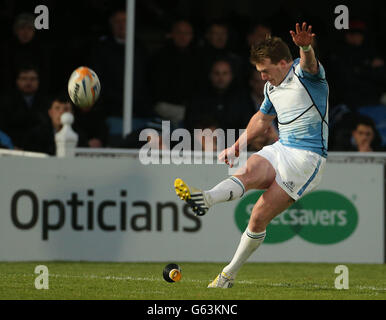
300,103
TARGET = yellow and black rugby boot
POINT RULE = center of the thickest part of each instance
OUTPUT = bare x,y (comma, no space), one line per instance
195,198
222,281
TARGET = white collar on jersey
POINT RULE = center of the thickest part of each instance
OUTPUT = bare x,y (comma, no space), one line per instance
288,78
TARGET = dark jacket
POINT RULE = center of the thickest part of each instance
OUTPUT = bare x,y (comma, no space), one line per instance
41,138
108,61
175,75
92,123
18,117
232,109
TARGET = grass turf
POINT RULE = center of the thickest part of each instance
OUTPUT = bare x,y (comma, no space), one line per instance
143,281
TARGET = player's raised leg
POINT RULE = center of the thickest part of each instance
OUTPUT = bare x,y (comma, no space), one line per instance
194,197
200,201
258,174
274,201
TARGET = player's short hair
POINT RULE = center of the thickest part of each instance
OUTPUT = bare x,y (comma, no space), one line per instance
273,48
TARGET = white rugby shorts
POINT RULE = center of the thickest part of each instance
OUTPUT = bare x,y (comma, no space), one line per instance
297,171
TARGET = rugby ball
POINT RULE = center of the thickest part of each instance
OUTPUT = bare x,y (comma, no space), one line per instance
84,87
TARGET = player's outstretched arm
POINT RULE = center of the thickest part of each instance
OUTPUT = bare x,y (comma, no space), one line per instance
258,125
303,39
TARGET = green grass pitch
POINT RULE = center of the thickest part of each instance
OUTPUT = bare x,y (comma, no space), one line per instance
144,281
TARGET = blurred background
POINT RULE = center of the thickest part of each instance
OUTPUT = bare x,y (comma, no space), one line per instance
191,67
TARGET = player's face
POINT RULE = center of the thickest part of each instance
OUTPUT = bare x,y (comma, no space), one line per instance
274,73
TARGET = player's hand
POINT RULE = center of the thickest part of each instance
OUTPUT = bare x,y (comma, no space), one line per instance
302,37
229,155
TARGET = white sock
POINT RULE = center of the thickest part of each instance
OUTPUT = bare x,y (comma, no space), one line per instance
229,189
249,242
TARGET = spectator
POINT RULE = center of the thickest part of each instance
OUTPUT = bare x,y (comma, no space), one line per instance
175,73
41,138
143,110
222,101
26,49
209,143
216,47
257,33
23,105
152,132
359,72
108,61
256,88
256,98
92,123
363,137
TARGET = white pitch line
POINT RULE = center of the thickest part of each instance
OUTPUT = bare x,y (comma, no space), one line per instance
125,278
370,288
92,276
317,286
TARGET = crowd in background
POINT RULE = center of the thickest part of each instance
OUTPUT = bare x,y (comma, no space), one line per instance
199,77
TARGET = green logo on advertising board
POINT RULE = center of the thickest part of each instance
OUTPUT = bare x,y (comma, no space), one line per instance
320,217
